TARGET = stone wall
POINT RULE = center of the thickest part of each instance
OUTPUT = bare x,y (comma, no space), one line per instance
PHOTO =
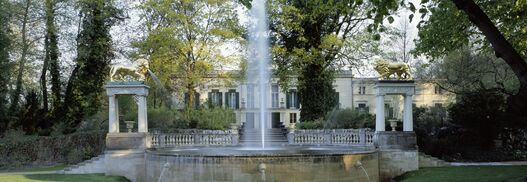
393,163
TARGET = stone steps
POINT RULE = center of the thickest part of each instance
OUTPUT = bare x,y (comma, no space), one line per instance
253,136
429,161
93,165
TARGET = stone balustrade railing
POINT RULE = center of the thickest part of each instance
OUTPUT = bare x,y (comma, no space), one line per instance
175,138
359,137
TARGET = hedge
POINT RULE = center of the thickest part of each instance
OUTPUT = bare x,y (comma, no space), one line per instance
49,150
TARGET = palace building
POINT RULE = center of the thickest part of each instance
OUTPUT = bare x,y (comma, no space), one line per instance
283,105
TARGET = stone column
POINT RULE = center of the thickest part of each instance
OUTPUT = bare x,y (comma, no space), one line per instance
113,114
408,123
142,125
379,113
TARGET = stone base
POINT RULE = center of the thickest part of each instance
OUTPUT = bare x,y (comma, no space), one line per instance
127,163
127,141
393,163
389,140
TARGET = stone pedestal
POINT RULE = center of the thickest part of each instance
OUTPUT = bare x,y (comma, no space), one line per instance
127,141
397,153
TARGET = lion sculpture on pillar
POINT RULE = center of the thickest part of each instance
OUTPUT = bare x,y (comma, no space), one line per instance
386,69
138,71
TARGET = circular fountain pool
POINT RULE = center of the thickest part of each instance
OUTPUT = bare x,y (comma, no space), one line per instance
294,163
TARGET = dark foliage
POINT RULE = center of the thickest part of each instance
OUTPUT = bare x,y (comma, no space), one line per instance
44,150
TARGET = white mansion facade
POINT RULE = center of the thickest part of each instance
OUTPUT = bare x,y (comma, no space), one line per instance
284,106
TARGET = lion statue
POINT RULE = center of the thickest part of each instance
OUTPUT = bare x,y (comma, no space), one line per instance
138,72
386,69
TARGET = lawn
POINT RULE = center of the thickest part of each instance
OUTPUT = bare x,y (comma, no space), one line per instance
62,177
467,174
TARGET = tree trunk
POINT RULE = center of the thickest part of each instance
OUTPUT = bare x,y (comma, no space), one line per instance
501,46
18,86
503,49
52,53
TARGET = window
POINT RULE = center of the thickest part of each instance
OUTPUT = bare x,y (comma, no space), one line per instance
215,97
274,96
250,96
438,90
232,99
292,99
438,105
362,108
196,99
362,90
292,117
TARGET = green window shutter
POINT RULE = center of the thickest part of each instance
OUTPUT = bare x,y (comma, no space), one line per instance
196,100
227,99
221,99
209,100
237,100
288,100
185,98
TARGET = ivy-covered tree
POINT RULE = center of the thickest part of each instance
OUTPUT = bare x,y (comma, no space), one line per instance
85,92
51,59
5,67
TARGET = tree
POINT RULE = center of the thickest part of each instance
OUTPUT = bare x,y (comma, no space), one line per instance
84,92
508,15
5,67
51,58
15,97
467,70
307,38
185,38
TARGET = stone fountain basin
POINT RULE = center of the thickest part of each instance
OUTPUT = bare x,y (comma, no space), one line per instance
292,163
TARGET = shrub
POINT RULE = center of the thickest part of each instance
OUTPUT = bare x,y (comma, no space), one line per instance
43,150
215,118
348,118
166,118
307,125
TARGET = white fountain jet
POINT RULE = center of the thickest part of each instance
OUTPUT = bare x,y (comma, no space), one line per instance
258,55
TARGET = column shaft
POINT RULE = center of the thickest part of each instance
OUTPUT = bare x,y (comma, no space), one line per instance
408,123
379,113
113,115
142,125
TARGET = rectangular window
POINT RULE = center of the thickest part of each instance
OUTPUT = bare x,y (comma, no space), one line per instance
362,90
438,90
292,99
250,96
362,108
438,105
292,117
232,98
274,96
215,97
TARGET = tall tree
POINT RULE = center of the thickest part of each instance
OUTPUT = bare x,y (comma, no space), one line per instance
185,38
84,93
308,36
5,67
52,55
15,96
508,15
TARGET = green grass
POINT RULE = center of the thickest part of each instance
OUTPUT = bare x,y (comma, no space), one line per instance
466,174
62,178
38,169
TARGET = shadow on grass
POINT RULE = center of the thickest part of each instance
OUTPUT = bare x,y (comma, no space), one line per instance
63,178
466,174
